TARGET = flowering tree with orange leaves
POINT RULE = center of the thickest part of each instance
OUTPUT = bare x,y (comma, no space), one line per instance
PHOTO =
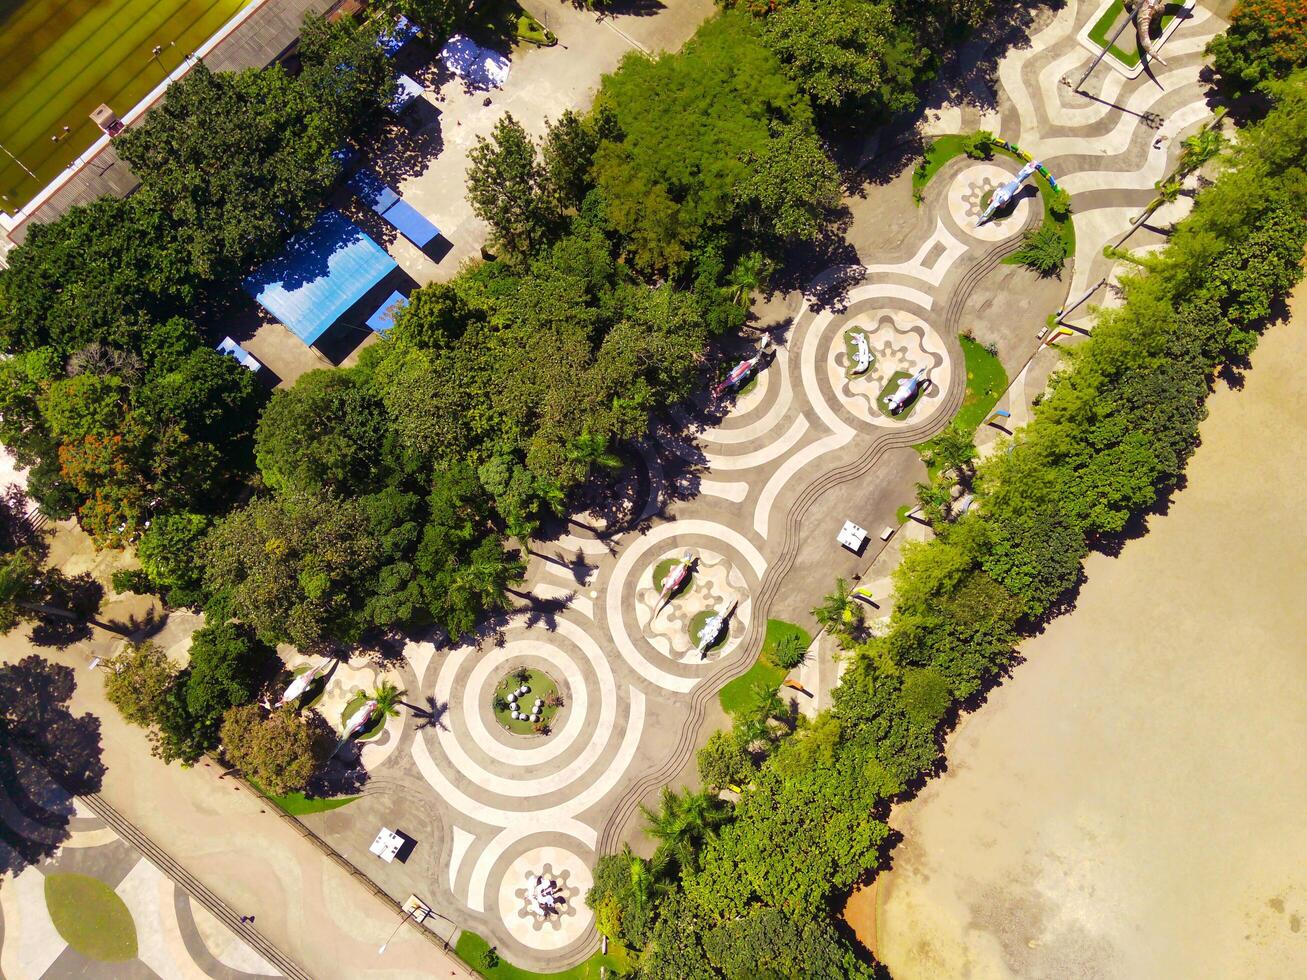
1267,40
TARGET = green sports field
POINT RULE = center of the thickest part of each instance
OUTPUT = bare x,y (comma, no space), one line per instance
59,59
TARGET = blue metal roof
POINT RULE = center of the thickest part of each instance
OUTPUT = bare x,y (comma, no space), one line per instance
320,274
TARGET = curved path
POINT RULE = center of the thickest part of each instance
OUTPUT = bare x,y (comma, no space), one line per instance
757,496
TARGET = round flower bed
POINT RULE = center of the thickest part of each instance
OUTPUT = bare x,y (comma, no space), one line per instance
510,699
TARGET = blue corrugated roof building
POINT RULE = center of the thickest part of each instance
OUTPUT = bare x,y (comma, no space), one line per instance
320,274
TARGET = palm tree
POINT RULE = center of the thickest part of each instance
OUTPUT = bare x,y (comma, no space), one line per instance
488,573
590,449
682,822
387,696
1199,148
747,276
1168,189
645,877
767,703
954,449
936,499
838,610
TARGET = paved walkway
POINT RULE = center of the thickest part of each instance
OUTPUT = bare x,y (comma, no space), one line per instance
757,496
237,847
176,936
542,84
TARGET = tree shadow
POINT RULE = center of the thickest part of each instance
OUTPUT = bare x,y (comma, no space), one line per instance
430,714
538,611
42,742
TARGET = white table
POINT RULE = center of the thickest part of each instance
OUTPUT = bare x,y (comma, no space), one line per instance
387,845
852,536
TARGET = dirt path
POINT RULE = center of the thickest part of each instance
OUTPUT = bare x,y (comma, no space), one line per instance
1131,802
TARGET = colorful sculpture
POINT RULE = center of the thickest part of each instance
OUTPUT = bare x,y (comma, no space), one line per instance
1005,193
1144,13
742,371
713,629
904,393
543,896
674,580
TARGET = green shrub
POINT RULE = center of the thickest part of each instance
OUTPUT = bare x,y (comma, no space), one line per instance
978,145
788,652
132,580
1044,250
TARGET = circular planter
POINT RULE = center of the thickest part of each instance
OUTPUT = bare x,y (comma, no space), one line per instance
540,686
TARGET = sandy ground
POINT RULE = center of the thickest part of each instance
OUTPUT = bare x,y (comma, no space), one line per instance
1131,803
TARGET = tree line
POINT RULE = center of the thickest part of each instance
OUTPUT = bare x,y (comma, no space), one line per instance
758,882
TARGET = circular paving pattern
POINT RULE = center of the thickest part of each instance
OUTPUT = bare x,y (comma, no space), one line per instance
715,584
900,343
495,759
573,880
971,187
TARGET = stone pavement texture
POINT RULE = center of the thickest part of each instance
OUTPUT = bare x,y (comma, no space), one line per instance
175,936
235,845
757,490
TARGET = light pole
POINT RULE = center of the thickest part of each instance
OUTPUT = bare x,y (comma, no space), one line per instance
407,913
158,50
19,162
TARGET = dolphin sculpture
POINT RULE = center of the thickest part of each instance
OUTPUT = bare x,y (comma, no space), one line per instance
674,580
742,371
355,722
1005,193
903,394
300,684
713,629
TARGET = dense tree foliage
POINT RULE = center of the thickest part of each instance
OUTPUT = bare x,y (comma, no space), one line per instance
241,160
183,706
279,750
122,412
1266,41
692,124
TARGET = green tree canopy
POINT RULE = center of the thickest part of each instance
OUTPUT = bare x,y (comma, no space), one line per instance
280,751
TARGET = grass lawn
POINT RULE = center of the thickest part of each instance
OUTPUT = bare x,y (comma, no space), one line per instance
542,685
471,949
59,59
532,31
940,152
91,917
1128,55
737,695
986,381
297,804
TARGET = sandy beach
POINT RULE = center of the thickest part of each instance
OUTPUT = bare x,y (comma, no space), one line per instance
1131,802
